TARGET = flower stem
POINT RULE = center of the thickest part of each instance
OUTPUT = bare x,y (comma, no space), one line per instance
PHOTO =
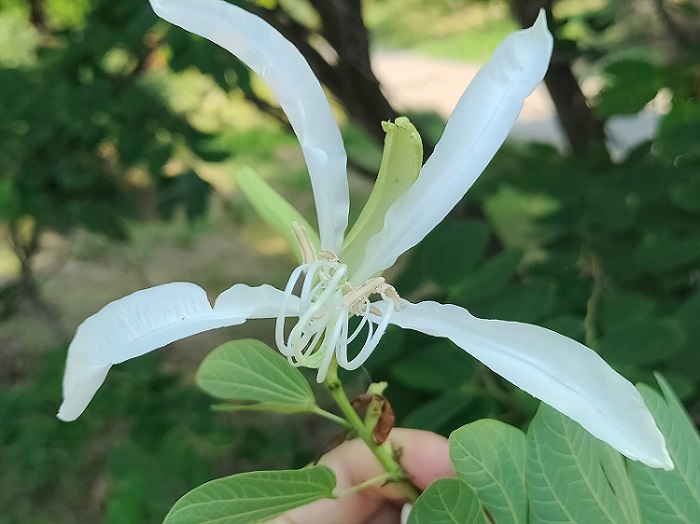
378,480
384,452
331,416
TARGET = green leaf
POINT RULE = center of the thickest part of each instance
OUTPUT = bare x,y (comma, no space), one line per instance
527,302
448,501
659,253
491,457
687,362
677,135
670,497
250,371
439,412
275,211
630,85
464,241
9,201
642,340
254,497
516,215
569,325
437,367
574,477
487,279
686,195
618,306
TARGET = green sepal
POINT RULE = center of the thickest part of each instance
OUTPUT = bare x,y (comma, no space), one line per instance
253,497
275,211
448,501
401,163
250,371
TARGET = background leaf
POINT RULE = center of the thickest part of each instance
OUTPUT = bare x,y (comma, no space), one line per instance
491,456
641,340
254,497
466,243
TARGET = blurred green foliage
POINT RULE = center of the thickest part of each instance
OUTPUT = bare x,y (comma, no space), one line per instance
85,133
147,440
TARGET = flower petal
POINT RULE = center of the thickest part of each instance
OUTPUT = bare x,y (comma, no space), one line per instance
477,128
555,369
405,512
299,93
146,320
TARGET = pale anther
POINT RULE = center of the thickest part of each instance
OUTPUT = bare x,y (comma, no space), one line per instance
359,294
390,291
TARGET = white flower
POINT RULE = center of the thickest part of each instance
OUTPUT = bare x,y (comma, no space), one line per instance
339,272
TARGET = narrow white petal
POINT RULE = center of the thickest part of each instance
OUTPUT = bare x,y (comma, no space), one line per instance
405,512
254,302
145,321
555,369
477,128
290,78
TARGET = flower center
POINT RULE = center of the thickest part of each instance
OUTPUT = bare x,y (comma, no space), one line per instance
327,300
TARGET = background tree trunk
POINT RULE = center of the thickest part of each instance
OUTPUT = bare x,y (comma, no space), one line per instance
344,68
583,130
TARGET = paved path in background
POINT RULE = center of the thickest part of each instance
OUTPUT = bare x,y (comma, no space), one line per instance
413,81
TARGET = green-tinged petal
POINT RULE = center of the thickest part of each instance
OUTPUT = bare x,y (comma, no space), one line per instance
275,210
147,320
401,163
555,369
477,128
283,68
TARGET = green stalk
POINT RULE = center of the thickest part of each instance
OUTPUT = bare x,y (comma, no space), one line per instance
384,452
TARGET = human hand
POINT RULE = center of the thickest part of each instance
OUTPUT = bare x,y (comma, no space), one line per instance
424,456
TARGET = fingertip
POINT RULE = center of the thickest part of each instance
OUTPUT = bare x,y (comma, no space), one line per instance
424,455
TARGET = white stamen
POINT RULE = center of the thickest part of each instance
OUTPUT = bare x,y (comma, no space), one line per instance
358,329
330,344
326,302
371,344
281,316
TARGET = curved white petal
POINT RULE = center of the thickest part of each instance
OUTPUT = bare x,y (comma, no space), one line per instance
145,321
405,512
290,78
477,128
555,369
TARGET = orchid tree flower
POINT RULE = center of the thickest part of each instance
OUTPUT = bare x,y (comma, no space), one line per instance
340,274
